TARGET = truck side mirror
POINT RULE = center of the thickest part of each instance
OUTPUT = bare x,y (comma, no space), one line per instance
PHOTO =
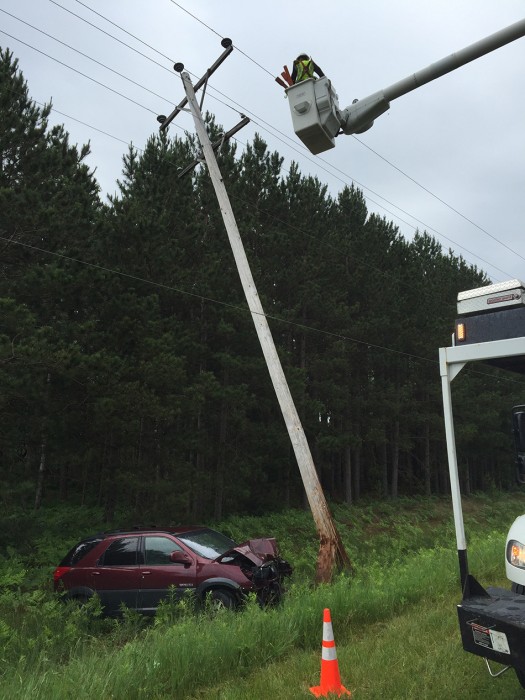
518,430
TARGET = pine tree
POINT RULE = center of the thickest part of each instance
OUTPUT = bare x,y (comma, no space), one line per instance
48,204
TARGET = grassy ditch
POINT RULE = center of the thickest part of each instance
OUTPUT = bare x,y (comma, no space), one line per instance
394,621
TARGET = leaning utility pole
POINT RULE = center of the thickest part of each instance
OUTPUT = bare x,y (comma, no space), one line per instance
331,549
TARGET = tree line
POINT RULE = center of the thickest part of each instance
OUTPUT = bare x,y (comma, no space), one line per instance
130,371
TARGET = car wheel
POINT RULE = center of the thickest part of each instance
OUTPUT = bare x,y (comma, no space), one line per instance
218,599
78,600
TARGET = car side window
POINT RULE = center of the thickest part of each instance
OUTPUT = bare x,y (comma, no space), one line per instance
157,551
122,552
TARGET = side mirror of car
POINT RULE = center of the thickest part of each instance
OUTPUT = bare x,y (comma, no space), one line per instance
180,557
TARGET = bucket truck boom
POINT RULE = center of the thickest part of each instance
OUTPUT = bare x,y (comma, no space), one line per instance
316,116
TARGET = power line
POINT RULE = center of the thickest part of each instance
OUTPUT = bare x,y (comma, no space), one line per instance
270,214
132,48
212,300
412,179
295,324
427,227
85,55
111,35
43,53
275,218
294,147
220,35
257,208
208,299
90,126
139,85
302,231
377,204
118,27
456,211
346,175
235,307
261,127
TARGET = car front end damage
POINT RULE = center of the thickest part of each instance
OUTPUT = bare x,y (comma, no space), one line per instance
263,567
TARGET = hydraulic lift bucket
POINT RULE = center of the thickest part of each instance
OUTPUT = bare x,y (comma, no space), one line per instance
315,113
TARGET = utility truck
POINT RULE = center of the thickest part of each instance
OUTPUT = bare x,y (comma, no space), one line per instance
490,327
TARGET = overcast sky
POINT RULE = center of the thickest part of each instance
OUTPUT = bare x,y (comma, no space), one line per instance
448,158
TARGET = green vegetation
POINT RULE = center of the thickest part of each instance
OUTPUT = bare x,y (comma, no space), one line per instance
131,375
134,390
394,621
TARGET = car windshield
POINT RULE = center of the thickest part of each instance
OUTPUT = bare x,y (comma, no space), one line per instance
207,543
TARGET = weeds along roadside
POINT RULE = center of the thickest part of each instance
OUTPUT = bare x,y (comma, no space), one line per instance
49,651
179,655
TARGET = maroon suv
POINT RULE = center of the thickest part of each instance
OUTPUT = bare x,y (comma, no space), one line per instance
138,567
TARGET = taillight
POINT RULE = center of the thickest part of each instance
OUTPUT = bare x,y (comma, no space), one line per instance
59,572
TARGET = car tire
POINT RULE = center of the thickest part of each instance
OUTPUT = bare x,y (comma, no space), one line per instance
518,588
219,599
78,600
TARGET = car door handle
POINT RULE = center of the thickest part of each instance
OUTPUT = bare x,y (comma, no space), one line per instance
144,573
96,573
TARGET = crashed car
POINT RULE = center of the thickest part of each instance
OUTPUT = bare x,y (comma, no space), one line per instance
139,568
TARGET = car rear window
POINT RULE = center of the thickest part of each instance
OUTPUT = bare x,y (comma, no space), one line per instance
79,551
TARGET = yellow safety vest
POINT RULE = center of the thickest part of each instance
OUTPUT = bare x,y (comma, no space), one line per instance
305,70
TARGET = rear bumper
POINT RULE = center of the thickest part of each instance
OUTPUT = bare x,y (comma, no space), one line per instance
492,624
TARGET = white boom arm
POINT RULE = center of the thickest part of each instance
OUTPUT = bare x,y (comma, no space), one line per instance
317,118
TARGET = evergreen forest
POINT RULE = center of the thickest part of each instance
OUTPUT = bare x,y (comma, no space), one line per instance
131,377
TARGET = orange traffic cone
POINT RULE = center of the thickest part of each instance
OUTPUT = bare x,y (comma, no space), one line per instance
330,678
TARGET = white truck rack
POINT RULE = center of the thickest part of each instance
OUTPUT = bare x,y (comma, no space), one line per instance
492,621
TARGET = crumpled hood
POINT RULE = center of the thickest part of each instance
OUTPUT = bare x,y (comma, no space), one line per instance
257,551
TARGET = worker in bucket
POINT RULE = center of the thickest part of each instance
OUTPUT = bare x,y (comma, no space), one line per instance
304,68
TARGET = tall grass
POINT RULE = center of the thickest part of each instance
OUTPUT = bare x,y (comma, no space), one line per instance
52,651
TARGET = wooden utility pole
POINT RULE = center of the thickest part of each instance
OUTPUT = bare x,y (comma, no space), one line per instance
331,549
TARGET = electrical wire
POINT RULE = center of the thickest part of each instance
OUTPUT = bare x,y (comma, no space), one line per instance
270,214
91,9
152,110
261,122
209,299
85,55
373,268
258,124
201,297
244,310
84,75
220,35
362,143
456,211
235,307
112,36
267,213
288,225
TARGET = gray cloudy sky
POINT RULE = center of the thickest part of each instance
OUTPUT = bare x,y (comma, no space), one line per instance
448,158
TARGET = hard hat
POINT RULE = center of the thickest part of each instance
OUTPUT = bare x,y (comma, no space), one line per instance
302,56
